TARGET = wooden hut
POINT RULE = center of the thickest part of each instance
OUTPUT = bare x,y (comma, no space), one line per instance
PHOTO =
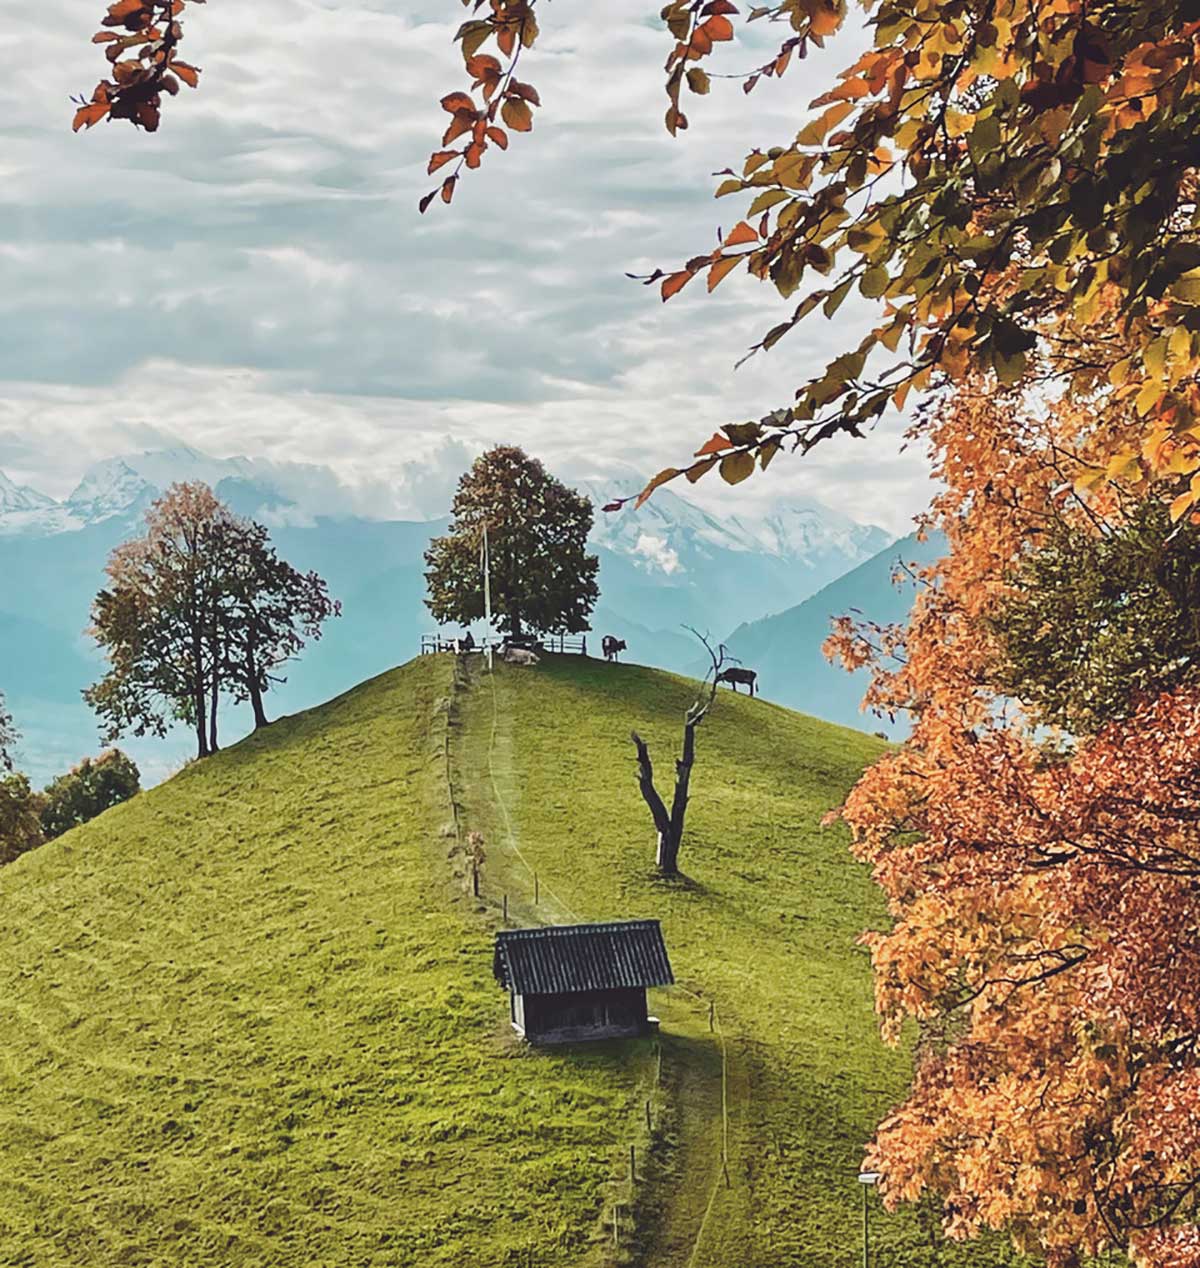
574,982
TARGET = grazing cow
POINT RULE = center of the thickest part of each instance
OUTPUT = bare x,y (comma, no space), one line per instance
611,646
520,656
734,676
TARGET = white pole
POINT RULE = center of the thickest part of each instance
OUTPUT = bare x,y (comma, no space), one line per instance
487,592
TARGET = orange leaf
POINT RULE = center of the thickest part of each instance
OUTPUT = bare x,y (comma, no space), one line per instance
440,159
86,116
448,188
474,155
722,268
718,28
675,283
481,65
506,38
740,234
714,444
499,136
189,74
663,476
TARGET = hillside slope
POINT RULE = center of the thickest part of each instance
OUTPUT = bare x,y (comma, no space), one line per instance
248,1017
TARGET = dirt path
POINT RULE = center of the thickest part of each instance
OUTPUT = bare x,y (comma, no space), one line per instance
701,1085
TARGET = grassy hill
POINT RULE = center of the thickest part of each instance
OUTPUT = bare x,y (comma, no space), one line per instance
248,1017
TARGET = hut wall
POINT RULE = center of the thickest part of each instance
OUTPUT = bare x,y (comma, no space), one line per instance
614,1014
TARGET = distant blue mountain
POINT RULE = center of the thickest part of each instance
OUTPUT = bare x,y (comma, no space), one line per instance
667,566
785,648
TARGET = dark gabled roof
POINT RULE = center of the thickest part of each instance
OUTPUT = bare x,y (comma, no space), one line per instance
560,959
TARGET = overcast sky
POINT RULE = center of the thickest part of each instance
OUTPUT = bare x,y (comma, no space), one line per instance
255,278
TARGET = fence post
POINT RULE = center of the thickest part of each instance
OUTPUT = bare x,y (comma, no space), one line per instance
506,909
537,893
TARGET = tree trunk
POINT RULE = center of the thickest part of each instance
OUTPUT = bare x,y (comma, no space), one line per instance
252,686
667,852
216,696
198,695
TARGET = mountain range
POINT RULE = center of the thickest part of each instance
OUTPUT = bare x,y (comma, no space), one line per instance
669,565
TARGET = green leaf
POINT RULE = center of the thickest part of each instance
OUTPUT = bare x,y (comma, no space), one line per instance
874,282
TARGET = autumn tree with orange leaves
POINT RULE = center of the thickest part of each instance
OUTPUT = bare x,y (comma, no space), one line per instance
1014,183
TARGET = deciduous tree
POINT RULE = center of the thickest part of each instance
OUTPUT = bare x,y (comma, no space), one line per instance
542,577
20,817
268,610
88,789
198,607
1042,885
8,737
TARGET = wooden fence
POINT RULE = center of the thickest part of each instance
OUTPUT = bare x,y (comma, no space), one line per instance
564,644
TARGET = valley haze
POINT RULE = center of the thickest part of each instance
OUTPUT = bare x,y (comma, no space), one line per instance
668,565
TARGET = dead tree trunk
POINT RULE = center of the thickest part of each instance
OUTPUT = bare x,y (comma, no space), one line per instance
670,826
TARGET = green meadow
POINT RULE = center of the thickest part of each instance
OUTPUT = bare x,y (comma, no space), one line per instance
248,1018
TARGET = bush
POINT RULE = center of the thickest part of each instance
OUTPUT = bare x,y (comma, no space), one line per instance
85,791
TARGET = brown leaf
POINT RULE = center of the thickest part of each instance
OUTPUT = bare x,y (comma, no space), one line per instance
663,476
455,101
499,136
448,188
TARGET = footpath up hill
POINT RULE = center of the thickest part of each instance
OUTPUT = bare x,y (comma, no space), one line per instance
248,1017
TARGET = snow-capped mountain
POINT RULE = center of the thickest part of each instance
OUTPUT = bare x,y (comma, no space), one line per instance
667,566
672,537
121,488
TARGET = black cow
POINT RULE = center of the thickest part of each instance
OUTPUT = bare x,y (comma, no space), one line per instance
611,646
734,676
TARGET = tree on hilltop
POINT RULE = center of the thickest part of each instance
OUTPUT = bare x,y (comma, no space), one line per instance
199,607
542,577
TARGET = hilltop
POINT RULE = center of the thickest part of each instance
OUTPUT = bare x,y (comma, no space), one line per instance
249,1017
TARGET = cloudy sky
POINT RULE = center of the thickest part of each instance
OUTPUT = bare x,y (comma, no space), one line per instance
255,277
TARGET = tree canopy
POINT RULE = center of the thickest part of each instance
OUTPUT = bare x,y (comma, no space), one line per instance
542,577
8,737
88,789
199,607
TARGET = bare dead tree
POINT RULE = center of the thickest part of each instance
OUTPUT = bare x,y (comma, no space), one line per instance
670,826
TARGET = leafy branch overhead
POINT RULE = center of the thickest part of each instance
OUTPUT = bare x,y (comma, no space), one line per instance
141,40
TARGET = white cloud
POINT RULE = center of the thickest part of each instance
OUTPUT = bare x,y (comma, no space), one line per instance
657,552
255,278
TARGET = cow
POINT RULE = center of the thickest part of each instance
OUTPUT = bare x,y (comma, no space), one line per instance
734,676
611,646
520,656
